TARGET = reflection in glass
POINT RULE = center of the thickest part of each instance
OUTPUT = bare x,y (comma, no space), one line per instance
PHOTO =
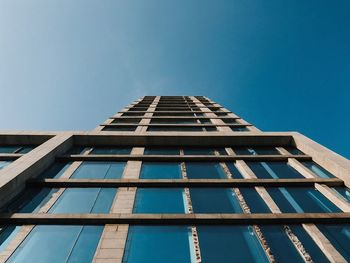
160,170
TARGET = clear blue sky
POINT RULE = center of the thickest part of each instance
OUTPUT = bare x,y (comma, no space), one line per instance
281,65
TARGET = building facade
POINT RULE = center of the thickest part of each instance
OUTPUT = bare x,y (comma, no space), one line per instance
172,179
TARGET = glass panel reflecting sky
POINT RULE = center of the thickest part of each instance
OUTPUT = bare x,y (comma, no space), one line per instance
230,244
321,172
58,244
99,170
111,150
267,170
158,200
201,170
160,170
214,200
161,151
158,244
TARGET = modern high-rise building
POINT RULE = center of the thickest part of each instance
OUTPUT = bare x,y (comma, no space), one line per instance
172,179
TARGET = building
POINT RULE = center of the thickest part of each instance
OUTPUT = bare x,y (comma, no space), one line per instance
172,179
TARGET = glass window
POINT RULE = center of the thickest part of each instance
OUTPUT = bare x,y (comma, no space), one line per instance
161,151
99,170
120,128
31,201
7,233
126,120
207,170
9,149
174,121
199,151
339,236
84,200
58,244
214,200
160,170
111,150
230,244
301,200
55,171
254,201
293,150
26,149
267,170
175,128
239,128
158,200
256,151
318,170
234,171
78,150
158,244
230,120
310,246
133,114
3,164
281,246
343,192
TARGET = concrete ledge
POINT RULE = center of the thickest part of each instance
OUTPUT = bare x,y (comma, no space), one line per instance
180,158
184,182
173,219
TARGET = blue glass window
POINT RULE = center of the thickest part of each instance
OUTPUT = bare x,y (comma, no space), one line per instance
175,128
308,243
207,170
99,170
120,128
158,200
281,246
78,150
111,150
3,164
230,244
234,171
293,150
268,170
256,151
31,201
161,170
7,233
339,236
84,200
301,200
162,151
214,200
255,203
199,151
55,171
158,244
26,149
58,244
238,128
343,192
9,149
321,172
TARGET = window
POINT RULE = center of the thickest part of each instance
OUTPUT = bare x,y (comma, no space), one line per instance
9,149
133,114
161,170
126,120
256,151
301,200
3,164
120,128
174,121
230,244
214,200
7,233
318,170
58,244
31,201
339,236
158,200
343,192
234,171
84,200
207,170
111,150
199,151
158,244
99,170
268,170
55,171
230,121
233,128
255,203
181,128
162,151
293,150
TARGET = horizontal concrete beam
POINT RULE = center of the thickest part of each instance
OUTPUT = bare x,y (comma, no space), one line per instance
173,219
175,125
184,182
179,158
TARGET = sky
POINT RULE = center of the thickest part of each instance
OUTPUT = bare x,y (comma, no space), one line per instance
281,65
